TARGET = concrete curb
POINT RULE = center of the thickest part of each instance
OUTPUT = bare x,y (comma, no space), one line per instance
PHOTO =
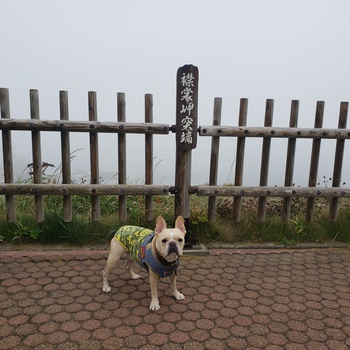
278,246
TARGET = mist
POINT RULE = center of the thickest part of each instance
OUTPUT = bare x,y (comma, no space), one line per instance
290,50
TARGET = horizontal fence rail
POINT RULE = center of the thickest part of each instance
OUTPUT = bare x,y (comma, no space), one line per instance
84,126
266,191
75,189
272,132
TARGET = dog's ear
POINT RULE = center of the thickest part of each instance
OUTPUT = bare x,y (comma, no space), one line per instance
160,225
180,224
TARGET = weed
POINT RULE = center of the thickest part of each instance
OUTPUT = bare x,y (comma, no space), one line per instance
298,226
287,242
23,231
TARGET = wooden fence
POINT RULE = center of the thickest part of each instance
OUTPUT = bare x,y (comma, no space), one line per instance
292,133
66,189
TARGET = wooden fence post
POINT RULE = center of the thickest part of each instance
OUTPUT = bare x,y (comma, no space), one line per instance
65,154
265,160
288,180
94,160
149,156
315,156
242,121
214,158
338,160
36,148
121,156
7,154
186,135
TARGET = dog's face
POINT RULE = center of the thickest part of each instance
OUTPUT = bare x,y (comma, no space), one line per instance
170,241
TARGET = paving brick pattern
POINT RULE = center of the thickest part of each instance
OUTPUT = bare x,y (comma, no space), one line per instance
251,300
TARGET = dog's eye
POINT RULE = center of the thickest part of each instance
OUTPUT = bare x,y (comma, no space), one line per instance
164,240
180,240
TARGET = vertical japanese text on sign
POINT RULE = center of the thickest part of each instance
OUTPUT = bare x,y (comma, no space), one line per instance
186,108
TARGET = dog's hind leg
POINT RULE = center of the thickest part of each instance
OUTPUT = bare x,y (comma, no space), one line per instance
114,255
129,264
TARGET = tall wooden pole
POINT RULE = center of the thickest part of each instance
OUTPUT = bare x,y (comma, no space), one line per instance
186,135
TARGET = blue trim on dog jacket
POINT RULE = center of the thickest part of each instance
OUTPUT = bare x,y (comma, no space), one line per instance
137,241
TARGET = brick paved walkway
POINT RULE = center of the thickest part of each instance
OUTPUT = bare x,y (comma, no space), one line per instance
234,300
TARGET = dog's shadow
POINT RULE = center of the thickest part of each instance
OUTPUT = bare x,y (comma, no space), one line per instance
131,293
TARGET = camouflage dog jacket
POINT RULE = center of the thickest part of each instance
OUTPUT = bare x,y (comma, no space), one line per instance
137,241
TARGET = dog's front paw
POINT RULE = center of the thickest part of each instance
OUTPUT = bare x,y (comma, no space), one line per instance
106,289
134,276
179,296
154,305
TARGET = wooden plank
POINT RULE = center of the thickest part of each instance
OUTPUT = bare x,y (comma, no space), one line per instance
94,160
7,154
242,121
315,155
86,189
214,158
36,149
121,156
338,161
149,157
183,166
274,132
186,136
265,160
186,107
65,155
85,126
269,191
288,180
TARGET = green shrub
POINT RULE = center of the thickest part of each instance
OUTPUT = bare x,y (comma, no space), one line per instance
81,231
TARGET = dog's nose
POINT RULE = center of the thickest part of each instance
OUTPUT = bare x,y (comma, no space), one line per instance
172,248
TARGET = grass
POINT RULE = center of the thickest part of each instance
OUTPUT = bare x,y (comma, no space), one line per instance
81,231
274,229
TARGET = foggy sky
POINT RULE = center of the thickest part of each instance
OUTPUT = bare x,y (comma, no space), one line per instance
253,49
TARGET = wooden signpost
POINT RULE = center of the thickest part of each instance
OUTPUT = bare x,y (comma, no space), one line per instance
186,107
186,135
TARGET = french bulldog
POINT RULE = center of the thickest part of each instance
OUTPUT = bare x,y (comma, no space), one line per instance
158,252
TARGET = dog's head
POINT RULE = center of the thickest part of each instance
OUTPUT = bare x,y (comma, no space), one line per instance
170,241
